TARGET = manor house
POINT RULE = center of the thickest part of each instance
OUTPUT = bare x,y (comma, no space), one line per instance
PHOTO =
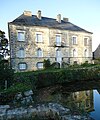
34,38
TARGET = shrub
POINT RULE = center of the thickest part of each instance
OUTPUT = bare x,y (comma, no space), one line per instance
46,63
55,65
51,77
6,74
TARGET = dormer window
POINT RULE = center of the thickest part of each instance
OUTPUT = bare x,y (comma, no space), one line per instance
21,36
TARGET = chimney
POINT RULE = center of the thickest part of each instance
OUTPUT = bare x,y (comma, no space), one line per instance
39,14
58,18
65,19
27,13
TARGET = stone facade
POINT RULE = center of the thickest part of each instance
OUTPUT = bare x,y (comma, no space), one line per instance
58,45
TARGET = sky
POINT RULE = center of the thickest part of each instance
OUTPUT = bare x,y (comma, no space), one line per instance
83,13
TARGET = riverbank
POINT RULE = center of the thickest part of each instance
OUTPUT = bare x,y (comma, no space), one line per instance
24,81
50,111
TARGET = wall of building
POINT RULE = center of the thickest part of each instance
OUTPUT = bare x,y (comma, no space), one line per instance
48,46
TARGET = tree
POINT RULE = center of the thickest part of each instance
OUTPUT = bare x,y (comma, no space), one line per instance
3,45
6,72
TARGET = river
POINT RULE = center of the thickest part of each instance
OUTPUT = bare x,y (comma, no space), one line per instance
76,101
79,97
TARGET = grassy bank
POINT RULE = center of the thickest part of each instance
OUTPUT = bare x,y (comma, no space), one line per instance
36,79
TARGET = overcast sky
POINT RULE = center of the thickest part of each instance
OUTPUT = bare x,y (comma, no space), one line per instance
83,13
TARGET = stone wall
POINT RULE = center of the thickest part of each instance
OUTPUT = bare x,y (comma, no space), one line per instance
41,111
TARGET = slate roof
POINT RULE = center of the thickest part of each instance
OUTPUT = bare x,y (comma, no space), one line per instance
47,22
96,53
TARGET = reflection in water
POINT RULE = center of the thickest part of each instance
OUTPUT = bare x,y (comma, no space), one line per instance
78,97
81,100
84,99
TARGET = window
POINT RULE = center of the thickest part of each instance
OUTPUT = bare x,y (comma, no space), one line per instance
22,66
58,40
21,53
39,37
58,53
75,62
74,40
85,53
21,36
40,65
39,53
86,41
74,53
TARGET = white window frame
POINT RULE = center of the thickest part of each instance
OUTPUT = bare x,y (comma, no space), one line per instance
39,38
39,52
87,41
21,53
58,53
40,65
22,66
58,39
74,40
86,53
74,53
21,35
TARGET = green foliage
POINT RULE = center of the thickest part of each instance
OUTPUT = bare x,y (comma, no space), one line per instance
55,65
3,44
37,79
46,63
6,74
58,76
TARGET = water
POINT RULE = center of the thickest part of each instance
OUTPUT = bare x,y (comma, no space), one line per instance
96,113
80,98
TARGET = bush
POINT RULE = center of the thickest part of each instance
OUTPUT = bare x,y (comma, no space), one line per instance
46,63
55,65
51,77
6,74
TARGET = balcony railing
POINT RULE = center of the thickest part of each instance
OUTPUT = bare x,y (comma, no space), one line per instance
59,44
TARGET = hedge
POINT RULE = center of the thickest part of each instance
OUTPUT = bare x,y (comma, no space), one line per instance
51,77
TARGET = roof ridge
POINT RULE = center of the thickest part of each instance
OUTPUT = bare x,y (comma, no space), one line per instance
47,22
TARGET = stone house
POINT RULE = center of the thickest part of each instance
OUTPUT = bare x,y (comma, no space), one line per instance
34,38
96,53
